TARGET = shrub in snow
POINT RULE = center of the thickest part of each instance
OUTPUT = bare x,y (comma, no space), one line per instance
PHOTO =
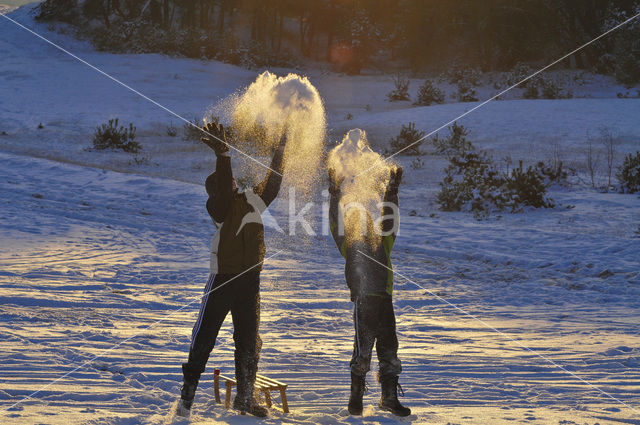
552,173
551,90
466,79
629,173
428,93
455,143
531,90
528,188
401,90
466,93
111,135
407,139
139,160
468,76
474,183
519,72
544,88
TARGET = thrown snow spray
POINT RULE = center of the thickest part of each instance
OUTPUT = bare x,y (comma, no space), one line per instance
363,186
270,107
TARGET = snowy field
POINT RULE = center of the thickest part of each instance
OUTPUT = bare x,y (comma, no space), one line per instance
103,255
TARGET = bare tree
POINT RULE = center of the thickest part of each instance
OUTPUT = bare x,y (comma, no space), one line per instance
556,157
608,141
592,162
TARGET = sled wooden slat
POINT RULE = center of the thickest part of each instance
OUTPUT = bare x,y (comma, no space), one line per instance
263,385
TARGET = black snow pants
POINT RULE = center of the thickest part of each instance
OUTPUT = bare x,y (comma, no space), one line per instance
239,294
375,322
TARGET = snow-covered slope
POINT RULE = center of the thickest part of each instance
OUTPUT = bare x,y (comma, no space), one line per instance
94,259
95,262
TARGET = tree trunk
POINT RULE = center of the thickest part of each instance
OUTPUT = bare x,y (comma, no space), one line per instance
311,33
254,25
191,13
280,28
302,34
330,36
165,14
203,14
221,18
273,25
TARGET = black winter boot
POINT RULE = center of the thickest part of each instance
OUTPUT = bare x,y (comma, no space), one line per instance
187,392
245,402
358,387
249,405
389,399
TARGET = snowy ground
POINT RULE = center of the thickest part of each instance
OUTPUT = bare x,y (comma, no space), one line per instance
91,258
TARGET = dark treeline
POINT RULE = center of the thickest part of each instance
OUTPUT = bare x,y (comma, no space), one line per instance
412,34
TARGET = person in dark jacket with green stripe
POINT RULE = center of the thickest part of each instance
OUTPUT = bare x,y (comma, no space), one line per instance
371,287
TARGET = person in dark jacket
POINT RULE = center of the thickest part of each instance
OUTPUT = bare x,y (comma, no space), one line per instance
237,253
371,287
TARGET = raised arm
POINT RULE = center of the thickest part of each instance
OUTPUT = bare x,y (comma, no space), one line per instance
337,230
270,186
219,184
390,213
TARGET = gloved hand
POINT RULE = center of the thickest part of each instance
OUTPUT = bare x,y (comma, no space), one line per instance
219,140
395,178
334,182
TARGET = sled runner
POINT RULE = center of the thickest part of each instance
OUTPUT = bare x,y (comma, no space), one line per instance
263,385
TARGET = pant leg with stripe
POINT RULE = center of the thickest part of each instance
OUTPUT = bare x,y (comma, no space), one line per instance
239,294
213,310
364,338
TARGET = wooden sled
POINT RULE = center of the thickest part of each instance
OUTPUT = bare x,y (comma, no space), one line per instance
263,385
